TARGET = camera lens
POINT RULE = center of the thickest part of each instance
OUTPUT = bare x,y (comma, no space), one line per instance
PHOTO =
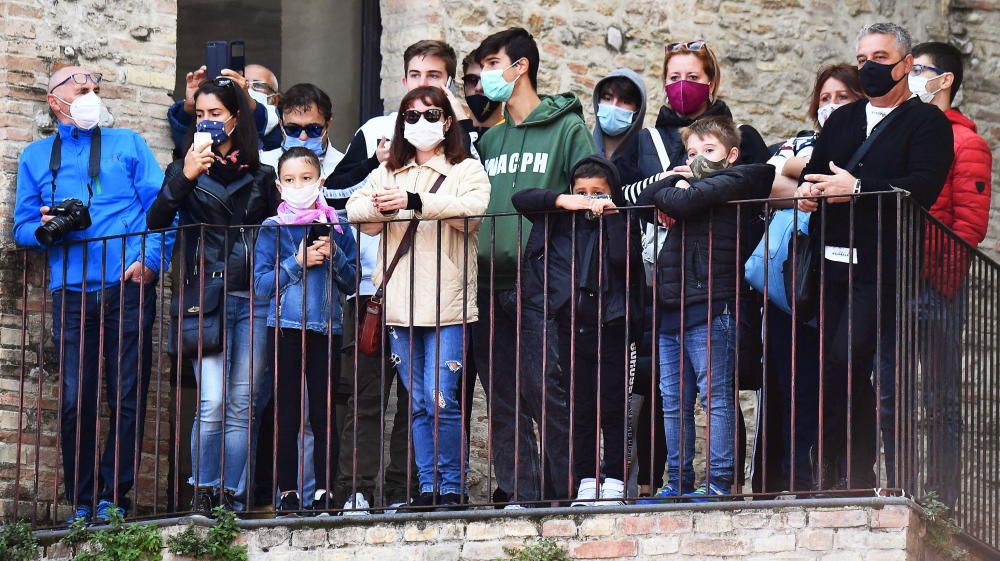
48,233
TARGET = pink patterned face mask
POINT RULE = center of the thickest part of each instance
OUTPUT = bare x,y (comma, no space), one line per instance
686,96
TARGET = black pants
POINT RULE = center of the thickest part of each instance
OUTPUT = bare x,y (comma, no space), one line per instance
595,380
320,375
651,445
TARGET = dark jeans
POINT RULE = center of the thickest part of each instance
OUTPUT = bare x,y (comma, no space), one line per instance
515,395
940,322
320,375
361,459
651,445
596,381
849,333
773,470
125,373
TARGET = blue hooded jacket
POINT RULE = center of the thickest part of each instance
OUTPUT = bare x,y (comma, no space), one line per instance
129,180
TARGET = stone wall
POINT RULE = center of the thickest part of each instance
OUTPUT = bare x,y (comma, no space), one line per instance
770,49
132,43
889,532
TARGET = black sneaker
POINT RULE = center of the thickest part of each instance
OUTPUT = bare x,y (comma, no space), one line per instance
289,505
424,500
203,501
321,503
452,501
227,500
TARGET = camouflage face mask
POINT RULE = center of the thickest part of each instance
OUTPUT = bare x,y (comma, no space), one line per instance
702,167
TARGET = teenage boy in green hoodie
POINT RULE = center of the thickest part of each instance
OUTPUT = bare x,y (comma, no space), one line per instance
536,146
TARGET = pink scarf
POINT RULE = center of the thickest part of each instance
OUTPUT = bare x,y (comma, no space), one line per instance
289,215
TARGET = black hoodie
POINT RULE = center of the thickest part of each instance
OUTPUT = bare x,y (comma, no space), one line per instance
561,231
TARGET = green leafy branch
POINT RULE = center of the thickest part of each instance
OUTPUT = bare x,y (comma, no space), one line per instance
214,545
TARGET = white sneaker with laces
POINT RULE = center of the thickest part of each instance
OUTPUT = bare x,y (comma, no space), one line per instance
613,489
356,506
587,493
514,507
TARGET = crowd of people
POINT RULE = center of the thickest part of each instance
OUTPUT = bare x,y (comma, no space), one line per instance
595,282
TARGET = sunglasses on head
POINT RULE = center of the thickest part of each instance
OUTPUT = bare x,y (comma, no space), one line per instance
80,78
223,82
688,46
312,131
432,115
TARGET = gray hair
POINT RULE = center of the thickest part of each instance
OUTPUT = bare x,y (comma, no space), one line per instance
898,32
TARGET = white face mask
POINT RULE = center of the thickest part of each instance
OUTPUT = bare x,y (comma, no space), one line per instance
823,113
918,85
300,198
423,135
85,111
259,97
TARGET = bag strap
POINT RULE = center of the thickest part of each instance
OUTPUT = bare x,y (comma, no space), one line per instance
661,150
862,150
405,244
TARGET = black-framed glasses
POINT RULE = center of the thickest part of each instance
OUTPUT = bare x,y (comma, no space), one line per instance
470,80
81,78
919,69
431,115
312,131
687,46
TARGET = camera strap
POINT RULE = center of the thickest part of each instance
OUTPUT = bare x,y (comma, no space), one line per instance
93,167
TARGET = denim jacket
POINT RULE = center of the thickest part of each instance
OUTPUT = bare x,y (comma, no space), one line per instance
283,286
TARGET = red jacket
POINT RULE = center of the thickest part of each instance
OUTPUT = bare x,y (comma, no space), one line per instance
963,206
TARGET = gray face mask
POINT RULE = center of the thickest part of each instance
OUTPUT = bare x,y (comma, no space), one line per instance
702,167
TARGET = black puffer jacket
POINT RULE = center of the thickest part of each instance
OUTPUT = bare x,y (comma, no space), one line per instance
247,200
697,209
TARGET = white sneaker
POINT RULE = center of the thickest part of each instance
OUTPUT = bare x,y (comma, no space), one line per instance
393,508
515,507
356,506
612,489
587,493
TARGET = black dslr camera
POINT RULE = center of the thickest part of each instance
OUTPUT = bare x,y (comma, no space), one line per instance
67,216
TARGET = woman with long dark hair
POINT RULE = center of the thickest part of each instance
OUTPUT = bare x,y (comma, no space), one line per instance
431,176
220,183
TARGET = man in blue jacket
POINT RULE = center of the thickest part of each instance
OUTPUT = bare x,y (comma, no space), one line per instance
95,285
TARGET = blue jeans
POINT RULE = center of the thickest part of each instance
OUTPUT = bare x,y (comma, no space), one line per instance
431,375
221,435
718,400
126,388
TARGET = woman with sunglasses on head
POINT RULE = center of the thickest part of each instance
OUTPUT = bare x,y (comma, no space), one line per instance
220,183
430,296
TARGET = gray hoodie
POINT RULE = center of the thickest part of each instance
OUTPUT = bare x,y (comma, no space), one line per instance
640,114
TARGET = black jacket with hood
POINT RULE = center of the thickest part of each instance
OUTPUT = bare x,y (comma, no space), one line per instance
640,114
249,199
556,230
699,209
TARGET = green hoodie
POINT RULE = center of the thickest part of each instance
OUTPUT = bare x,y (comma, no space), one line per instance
538,153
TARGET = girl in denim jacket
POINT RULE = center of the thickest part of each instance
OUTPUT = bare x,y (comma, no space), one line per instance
304,261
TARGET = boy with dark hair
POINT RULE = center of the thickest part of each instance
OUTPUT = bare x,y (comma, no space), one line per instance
591,256
619,109
485,112
703,239
536,145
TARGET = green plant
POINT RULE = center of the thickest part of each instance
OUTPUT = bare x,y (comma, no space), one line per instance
215,545
545,550
941,528
118,542
17,542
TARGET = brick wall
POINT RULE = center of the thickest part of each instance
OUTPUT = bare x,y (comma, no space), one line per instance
132,42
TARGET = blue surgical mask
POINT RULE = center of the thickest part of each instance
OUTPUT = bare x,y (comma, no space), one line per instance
217,129
495,86
614,120
315,144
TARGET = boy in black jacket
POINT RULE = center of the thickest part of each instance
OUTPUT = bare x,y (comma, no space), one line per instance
594,308
698,280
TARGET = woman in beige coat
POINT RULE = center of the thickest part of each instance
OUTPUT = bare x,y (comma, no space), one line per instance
429,298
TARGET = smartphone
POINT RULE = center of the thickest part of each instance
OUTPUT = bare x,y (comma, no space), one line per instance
315,231
202,139
451,86
237,56
224,54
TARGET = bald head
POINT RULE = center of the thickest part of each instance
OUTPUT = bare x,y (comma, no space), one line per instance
60,76
261,73
63,89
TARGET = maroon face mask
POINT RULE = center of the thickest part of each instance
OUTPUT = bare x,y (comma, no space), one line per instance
686,97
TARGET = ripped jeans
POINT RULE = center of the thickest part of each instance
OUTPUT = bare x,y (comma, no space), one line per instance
430,367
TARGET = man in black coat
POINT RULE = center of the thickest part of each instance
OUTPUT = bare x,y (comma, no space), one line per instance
912,154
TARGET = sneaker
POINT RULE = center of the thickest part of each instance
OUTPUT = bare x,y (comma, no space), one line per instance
289,505
357,506
81,513
226,498
426,499
663,495
203,501
614,490
394,508
105,510
587,493
707,493
515,506
320,504
452,501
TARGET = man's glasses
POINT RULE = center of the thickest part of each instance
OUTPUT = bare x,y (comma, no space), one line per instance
919,69
295,131
688,46
470,81
261,86
432,115
81,78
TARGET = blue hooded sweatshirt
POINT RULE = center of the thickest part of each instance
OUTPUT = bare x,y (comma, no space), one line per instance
129,181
